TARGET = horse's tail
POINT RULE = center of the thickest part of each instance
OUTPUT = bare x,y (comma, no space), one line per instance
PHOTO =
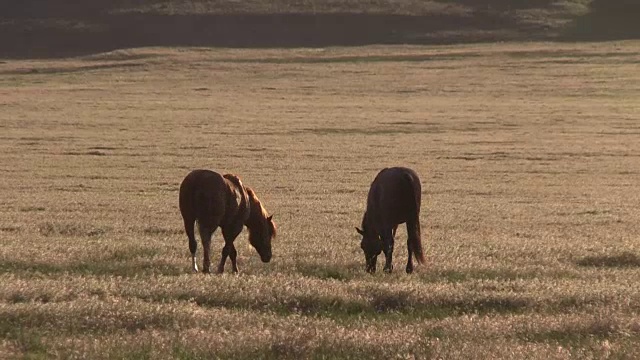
414,231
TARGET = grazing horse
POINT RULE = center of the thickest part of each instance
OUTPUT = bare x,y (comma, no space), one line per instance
214,200
394,198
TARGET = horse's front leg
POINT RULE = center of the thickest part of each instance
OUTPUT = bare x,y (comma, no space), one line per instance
223,259
387,248
230,233
233,256
371,264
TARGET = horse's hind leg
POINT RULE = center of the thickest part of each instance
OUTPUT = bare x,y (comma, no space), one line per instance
409,268
193,245
411,234
230,233
206,233
387,247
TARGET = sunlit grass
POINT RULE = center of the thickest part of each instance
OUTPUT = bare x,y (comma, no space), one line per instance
529,220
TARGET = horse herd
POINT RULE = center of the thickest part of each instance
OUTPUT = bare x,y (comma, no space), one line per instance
213,200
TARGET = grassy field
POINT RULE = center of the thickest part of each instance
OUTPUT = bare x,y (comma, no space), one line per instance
529,156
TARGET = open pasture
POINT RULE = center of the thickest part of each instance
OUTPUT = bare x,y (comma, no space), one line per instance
529,155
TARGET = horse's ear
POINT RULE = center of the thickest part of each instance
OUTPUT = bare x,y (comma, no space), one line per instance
270,217
361,232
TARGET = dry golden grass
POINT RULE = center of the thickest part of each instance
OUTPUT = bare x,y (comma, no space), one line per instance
529,156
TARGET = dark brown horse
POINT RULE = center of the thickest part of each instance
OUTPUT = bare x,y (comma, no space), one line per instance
216,201
394,198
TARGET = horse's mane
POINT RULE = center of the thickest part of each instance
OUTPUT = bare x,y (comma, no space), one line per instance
234,179
245,203
257,209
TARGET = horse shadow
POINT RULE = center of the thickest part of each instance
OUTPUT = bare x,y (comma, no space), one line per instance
138,262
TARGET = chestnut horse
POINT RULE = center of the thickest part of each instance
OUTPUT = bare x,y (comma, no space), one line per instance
216,201
394,198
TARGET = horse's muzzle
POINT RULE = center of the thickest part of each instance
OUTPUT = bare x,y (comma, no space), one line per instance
265,258
371,267
371,264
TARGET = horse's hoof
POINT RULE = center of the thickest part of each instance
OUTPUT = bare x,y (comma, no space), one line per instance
409,269
388,270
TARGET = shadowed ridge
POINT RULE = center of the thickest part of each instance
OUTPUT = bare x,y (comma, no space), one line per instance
40,28
608,20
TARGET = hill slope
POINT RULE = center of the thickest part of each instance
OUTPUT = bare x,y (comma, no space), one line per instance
33,28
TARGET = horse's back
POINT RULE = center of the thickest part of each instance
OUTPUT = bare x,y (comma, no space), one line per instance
397,173
200,180
395,194
199,190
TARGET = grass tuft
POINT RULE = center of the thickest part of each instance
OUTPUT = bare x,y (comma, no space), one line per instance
48,229
10,229
182,352
29,343
156,231
575,334
32,209
129,268
388,301
323,271
625,259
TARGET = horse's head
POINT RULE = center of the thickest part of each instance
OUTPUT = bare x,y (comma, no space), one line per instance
372,247
260,238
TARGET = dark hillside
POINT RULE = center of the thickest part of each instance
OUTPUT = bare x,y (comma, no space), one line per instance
610,20
43,28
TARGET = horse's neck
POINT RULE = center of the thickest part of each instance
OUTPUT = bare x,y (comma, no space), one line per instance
256,217
241,196
368,219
